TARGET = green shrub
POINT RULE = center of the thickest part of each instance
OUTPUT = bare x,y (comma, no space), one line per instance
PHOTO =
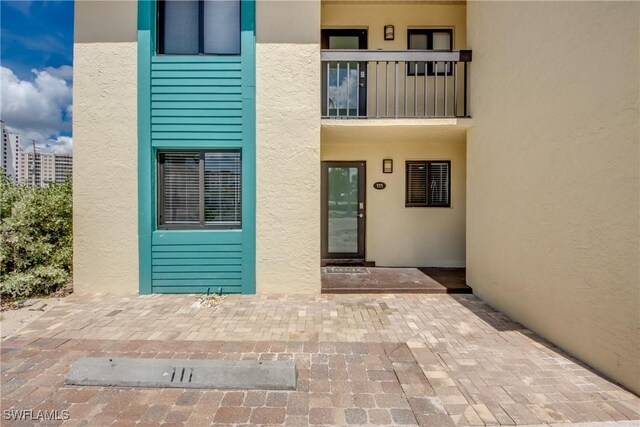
35,238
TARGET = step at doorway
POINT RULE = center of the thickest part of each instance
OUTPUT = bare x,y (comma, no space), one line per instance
360,279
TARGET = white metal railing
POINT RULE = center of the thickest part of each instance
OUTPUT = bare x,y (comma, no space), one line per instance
398,84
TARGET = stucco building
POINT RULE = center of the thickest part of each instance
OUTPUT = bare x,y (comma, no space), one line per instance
257,139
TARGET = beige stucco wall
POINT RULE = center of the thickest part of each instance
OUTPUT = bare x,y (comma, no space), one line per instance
401,14
105,148
396,235
553,172
288,147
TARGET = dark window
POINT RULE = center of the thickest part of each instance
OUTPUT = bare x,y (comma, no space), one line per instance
194,27
429,39
199,189
428,183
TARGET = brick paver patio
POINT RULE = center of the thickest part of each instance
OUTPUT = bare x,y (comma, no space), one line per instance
414,359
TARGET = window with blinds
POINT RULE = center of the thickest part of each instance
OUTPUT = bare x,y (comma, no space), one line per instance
193,27
222,197
428,183
199,189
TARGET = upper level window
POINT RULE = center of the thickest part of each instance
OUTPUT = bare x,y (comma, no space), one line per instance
429,39
199,27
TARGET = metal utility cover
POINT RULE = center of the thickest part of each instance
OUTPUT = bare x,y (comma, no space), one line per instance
183,373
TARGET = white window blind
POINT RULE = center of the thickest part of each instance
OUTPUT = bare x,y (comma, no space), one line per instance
439,186
200,189
416,183
180,26
222,188
181,188
221,26
192,27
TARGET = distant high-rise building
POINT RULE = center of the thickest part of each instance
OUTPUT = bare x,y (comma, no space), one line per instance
30,166
9,153
24,164
44,169
63,167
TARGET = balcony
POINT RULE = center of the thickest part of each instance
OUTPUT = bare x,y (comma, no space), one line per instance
378,84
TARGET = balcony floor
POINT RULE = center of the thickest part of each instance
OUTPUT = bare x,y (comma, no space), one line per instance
389,130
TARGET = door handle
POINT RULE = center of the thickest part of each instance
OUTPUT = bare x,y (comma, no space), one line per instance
360,215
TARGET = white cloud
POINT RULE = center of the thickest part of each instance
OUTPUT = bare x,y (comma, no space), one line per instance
64,72
39,109
61,145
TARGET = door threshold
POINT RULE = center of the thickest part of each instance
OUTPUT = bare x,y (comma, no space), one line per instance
352,262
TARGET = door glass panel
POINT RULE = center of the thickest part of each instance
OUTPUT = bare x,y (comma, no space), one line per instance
343,89
342,187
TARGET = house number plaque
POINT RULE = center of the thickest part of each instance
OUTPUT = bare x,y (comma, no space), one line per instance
379,185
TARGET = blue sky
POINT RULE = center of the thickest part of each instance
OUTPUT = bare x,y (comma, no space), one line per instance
36,58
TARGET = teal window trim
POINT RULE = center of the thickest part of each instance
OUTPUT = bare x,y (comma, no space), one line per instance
248,43
146,168
147,149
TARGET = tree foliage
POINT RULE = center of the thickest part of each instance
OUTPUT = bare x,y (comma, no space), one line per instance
35,238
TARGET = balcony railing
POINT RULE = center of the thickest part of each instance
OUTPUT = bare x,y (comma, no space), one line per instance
359,84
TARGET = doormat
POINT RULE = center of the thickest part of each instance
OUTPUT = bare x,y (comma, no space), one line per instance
167,373
347,270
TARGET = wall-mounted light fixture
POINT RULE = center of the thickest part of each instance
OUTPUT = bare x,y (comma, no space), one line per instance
389,32
387,166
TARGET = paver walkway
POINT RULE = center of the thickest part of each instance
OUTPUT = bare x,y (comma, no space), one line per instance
416,359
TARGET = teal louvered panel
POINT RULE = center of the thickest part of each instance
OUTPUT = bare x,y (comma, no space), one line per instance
192,112
209,75
196,261
199,105
231,65
196,120
195,102
197,89
177,82
192,97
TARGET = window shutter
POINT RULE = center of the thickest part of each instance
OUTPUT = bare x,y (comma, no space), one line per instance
181,195
439,183
222,188
416,183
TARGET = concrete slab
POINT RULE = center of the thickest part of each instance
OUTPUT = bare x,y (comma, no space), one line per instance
183,373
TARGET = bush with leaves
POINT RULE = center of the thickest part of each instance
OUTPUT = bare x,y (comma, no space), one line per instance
35,238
